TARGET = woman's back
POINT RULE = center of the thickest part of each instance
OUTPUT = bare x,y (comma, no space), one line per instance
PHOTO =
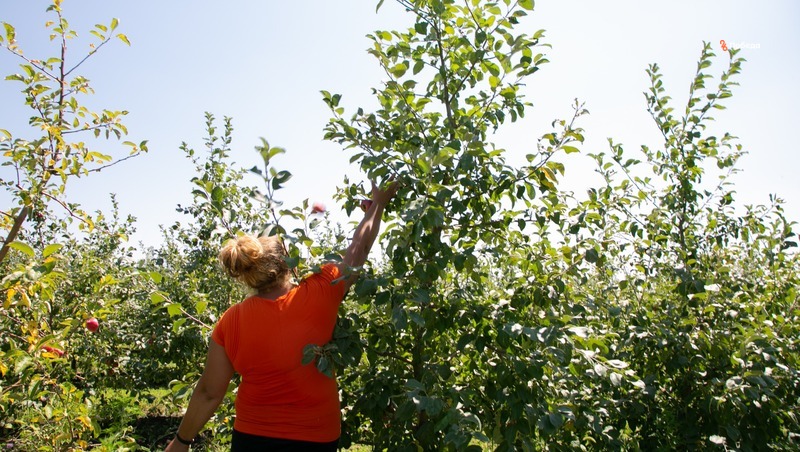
264,340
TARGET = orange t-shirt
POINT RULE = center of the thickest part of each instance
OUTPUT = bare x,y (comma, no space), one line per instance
279,397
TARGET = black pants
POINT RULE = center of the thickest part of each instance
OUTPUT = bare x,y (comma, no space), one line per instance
243,442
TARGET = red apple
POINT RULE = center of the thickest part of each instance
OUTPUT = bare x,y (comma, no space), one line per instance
365,204
318,207
53,350
92,324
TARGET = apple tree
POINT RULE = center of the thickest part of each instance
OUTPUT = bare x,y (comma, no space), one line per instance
50,283
444,362
701,295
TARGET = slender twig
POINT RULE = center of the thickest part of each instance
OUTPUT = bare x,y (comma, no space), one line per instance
270,197
194,318
636,184
38,107
63,84
5,314
94,170
33,63
88,55
483,47
717,190
86,129
561,142
67,208
445,81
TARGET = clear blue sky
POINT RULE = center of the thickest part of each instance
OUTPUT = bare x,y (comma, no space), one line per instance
263,63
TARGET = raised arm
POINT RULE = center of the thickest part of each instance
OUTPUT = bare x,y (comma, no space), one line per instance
367,231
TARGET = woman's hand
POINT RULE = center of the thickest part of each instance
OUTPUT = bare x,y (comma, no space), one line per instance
383,196
367,230
176,446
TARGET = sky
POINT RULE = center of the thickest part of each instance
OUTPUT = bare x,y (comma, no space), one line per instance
263,63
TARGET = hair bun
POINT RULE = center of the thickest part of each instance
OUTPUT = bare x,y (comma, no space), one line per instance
256,261
240,255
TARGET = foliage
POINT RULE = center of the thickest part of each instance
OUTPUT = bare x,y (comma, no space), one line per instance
517,315
41,167
703,293
53,280
432,306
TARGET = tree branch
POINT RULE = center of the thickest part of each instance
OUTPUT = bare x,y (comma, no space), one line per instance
14,231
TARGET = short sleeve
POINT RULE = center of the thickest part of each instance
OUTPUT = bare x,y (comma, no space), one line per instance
328,283
224,329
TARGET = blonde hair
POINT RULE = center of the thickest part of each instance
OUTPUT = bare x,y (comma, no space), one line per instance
255,261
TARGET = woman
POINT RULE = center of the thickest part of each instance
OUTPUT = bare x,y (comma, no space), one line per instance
281,404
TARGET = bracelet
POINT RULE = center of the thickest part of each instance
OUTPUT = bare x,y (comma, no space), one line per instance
183,441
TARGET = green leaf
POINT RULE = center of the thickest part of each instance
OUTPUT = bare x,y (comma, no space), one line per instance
380,3
292,262
398,70
570,149
382,298
323,364
309,353
50,249
200,194
173,309
414,385
526,4
217,194
417,318
10,32
157,297
492,68
280,178
277,150
200,306
366,287
423,165
23,247
617,363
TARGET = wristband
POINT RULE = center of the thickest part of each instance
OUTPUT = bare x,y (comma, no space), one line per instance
183,441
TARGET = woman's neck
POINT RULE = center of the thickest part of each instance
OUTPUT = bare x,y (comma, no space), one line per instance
274,294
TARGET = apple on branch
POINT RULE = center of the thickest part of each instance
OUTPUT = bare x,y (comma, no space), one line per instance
92,324
318,207
53,350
